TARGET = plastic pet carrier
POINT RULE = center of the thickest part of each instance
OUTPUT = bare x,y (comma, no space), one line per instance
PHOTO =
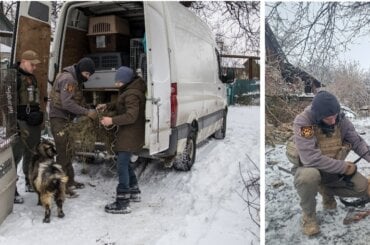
8,129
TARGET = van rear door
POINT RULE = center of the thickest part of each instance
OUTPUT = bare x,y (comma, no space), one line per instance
158,108
33,32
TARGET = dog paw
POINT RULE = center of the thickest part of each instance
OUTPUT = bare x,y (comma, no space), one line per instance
46,220
61,215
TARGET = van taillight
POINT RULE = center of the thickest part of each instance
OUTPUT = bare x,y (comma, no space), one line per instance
173,104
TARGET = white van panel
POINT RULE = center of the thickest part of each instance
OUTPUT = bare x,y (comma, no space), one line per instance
159,80
199,89
24,9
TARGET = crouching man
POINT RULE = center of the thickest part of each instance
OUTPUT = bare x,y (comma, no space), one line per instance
323,137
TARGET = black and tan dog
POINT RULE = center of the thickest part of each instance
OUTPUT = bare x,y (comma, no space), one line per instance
47,178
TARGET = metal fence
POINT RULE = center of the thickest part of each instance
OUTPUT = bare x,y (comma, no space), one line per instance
242,88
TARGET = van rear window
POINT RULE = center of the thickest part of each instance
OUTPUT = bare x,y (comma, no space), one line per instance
39,11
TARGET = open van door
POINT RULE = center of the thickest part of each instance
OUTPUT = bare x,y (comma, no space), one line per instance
159,79
33,31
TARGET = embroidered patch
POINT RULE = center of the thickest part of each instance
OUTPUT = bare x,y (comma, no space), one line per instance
70,88
307,131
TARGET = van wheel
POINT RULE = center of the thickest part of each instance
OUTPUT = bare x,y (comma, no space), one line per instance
221,133
185,160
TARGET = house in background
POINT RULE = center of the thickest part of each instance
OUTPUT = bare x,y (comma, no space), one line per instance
6,36
290,73
246,87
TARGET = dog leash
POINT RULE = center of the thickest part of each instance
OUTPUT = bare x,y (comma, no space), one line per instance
358,202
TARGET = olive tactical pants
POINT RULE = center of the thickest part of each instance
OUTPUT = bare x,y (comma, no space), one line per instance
64,151
308,180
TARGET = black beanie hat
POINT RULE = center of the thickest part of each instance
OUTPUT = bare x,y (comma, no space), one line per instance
86,64
324,104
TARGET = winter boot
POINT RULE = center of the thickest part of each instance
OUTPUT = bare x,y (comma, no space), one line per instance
71,193
328,201
73,185
135,194
310,226
120,206
17,198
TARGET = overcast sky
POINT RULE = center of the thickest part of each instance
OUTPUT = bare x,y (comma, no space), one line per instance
356,52
359,52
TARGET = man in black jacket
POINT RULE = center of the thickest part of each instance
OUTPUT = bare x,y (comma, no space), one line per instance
29,116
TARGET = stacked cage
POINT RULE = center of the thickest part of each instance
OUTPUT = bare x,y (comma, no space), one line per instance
138,57
8,129
8,109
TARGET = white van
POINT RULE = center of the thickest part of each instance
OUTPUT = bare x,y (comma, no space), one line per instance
186,100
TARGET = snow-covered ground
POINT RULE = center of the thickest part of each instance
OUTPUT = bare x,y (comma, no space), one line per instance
283,212
202,206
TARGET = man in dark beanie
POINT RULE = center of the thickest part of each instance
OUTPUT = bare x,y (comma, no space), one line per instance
67,103
85,65
324,105
323,137
130,120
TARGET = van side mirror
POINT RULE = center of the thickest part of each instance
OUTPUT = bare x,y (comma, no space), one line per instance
228,75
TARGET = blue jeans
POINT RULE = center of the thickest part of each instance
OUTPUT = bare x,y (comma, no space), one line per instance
126,175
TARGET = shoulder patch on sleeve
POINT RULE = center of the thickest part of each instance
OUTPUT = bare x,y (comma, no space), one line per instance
307,131
70,87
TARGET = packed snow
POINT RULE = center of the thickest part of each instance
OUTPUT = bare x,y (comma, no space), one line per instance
283,213
203,206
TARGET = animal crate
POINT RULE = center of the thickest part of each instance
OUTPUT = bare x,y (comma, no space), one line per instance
109,43
109,61
138,57
109,24
108,34
8,178
8,102
8,129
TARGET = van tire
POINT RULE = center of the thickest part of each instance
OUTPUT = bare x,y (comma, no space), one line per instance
221,133
185,160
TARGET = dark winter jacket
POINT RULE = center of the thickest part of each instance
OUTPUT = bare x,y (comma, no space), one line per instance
130,109
25,81
66,95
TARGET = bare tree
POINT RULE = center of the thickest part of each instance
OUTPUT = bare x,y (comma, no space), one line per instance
317,31
251,190
8,8
236,23
56,6
343,75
